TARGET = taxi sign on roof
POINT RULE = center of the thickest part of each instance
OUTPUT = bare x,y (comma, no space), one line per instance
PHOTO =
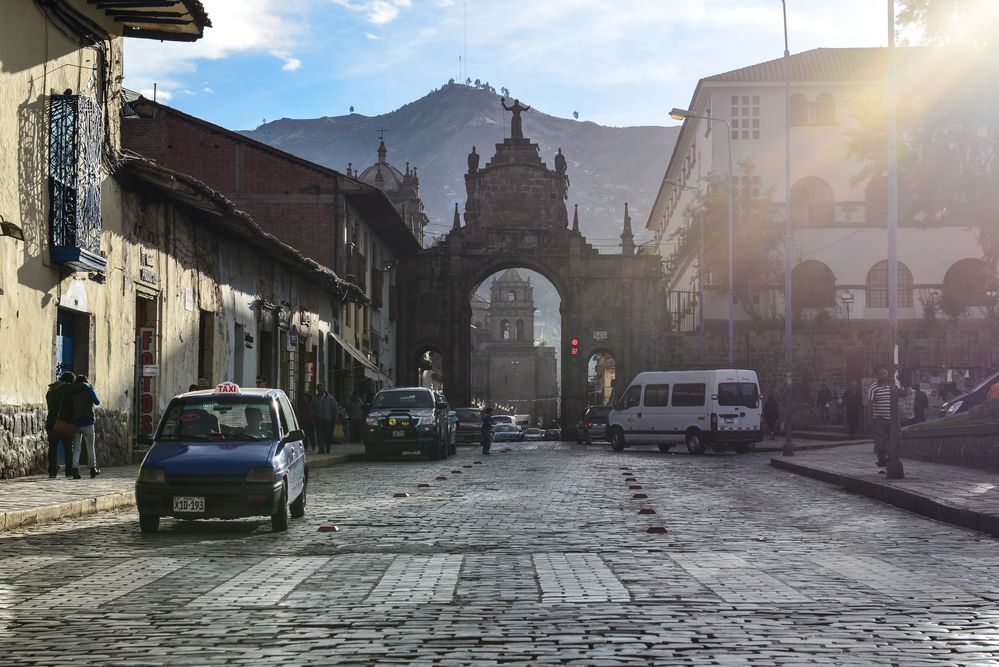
227,388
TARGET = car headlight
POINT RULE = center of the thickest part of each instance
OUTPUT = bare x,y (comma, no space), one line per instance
261,475
152,475
954,407
373,421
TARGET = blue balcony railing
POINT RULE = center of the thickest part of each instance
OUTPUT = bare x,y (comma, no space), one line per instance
76,131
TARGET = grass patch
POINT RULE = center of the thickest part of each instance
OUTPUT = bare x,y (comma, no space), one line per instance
963,419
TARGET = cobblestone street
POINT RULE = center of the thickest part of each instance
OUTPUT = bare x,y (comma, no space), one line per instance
541,553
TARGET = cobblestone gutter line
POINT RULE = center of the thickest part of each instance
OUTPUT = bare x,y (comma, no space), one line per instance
65,510
893,495
112,501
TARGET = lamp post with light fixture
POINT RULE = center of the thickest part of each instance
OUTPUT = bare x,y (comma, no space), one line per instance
683,114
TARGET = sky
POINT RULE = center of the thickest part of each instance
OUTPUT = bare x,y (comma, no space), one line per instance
615,63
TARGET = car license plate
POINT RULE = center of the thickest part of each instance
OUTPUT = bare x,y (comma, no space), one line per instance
188,503
398,434
729,420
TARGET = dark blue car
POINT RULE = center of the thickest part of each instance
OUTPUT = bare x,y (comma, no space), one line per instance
225,454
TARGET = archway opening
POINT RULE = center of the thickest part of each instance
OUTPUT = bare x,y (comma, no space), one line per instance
516,328
601,379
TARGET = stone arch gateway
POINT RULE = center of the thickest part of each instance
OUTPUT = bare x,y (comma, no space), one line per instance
515,216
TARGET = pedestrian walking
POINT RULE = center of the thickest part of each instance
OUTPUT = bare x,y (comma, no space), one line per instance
879,399
853,407
487,429
325,410
355,413
822,400
84,400
57,408
771,414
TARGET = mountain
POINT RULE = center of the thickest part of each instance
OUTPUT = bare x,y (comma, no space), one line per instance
608,166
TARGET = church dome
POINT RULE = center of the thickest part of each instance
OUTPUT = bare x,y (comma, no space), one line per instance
383,175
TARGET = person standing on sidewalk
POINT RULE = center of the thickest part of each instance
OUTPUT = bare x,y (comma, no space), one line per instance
853,406
325,410
822,403
54,403
84,399
487,429
771,414
879,399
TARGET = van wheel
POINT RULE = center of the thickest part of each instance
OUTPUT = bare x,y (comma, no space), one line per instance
694,443
617,440
665,447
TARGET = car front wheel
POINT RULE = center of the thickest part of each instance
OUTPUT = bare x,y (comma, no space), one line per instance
149,523
279,520
695,445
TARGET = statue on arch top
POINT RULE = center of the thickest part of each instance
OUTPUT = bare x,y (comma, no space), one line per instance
516,128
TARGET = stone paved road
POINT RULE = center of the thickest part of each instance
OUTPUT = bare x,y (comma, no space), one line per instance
539,555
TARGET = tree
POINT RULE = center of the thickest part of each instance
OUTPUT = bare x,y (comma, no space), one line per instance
575,114
468,81
755,236
505,91
351,108
951,22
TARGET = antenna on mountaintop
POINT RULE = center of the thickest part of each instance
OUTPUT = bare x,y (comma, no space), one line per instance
464,5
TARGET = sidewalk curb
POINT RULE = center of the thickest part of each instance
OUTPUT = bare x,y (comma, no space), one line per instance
67,510
814,445
72,509
901,498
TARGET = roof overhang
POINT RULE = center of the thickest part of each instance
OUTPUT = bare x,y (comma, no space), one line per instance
168,20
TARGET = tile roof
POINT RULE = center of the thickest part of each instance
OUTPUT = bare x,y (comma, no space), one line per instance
853,64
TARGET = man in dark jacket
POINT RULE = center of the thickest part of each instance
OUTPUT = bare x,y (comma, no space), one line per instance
54,404
487,429
84,399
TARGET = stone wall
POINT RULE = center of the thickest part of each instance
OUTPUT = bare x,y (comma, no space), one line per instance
24,446
824,350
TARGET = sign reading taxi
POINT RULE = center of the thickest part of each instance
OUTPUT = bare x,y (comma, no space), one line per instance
227,388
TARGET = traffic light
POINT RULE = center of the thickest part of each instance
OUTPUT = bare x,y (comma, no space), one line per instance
573,347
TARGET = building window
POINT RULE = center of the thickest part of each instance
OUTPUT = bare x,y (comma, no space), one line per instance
747,187
813,285
877,286
76,131
505,330
745,116
520,329
812,202
821,111
511,295
968,283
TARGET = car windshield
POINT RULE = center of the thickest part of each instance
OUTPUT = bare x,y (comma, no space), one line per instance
469,415
213,418
502,419
403,398
598,411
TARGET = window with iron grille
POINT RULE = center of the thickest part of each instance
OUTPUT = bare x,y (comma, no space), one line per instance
75,172
877,286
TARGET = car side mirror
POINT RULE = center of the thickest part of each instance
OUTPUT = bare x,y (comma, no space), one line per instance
292,436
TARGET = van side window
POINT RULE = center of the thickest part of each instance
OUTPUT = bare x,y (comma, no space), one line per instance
632,397
656,395
744,394
688,395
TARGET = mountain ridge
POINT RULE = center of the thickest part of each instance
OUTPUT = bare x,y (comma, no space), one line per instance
607,166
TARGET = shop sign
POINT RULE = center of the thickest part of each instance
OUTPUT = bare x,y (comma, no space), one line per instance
147,383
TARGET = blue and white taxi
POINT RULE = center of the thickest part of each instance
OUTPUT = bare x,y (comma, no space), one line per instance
225,453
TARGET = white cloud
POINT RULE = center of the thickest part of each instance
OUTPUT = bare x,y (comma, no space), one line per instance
373,37
239,27
160,95
379,12
208,90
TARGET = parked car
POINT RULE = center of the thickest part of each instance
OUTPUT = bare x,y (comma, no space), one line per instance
593,425
224,453
970,399
469,426
501,419
720,408
534,434
507,433
407,419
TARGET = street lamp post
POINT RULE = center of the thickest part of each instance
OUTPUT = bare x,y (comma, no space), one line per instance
683,114
700,274
894,469
788,449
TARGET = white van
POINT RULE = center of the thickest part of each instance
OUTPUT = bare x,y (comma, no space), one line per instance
720,408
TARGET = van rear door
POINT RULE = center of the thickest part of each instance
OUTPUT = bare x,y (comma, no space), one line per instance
738,403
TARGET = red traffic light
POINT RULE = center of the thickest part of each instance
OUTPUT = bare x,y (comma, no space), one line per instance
574,342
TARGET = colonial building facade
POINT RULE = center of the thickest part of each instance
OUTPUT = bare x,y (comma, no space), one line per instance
838,212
